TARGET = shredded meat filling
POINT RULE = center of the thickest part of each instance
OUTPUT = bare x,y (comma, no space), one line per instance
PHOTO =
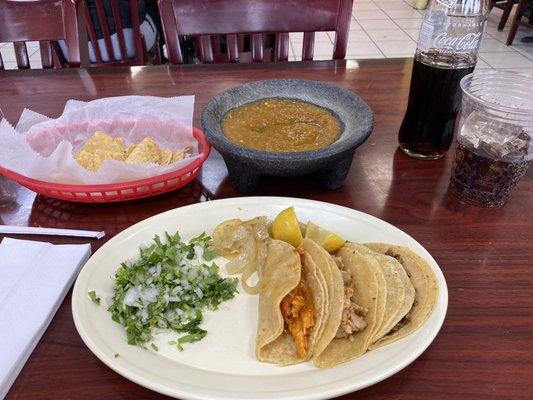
352,320
298,313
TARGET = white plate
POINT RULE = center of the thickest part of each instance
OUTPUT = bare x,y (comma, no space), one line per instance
223,365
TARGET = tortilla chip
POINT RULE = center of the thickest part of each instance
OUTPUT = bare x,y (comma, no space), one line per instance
99,148
86,160
120,142
101,141
180,154
166,156
145,152
129,150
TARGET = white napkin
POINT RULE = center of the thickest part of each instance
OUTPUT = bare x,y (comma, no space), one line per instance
34,279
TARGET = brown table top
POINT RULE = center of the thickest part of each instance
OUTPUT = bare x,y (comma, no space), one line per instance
485,348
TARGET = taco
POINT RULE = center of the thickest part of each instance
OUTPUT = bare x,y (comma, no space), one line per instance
399,291
292,304
361,310
425,287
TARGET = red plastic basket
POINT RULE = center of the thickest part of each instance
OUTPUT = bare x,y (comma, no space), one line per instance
114,192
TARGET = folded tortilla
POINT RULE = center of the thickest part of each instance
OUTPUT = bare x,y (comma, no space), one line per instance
400,292
281,274
369,281
425,287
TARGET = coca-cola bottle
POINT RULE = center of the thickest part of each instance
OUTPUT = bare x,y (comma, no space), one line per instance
447,49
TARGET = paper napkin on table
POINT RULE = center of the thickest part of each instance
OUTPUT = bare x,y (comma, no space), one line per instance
34,279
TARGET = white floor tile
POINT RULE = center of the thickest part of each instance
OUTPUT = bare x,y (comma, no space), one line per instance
402,13
528,71
384,35
491,45
375,24
364,7
322,58
377,14
398,49
36,64
323,37
10,65
358,36
292,56
32,46
326,37
296,36
358,48
506,60
321,49
482,65
354,25
410,23
366,56
413,33
8,53
502,36
394,5
524,49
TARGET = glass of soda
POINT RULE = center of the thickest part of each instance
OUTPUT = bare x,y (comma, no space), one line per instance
494,137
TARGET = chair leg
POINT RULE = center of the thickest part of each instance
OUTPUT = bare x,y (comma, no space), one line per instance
506,13
516,21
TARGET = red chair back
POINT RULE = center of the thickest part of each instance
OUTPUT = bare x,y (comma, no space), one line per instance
204,18
45,21
114,59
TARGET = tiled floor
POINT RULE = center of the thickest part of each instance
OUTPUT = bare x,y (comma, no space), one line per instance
389,29
381,29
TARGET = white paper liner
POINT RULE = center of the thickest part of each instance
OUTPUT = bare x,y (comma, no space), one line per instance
43,148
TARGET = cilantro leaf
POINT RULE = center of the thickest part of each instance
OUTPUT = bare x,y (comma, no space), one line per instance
168,286
95,299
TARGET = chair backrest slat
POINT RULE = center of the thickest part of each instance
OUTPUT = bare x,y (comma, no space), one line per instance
105,29
137,37
342,31
40,20
169,25
257,18
233,48
118,28
282,46
206,49
216,44
46,54
92,34
308,47
21,54
257,47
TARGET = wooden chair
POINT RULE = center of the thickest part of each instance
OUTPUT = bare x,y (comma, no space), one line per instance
45,21
507,7
517,21
204,18
141,53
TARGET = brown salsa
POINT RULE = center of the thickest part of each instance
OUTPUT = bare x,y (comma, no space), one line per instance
281,125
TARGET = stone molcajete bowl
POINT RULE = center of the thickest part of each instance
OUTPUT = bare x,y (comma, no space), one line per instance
331,164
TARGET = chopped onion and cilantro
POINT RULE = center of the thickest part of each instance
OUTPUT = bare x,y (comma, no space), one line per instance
168,287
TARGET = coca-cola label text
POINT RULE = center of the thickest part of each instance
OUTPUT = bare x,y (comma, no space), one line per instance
460,44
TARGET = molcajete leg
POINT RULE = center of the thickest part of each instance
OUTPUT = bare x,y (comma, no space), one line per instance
334,176
244,177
